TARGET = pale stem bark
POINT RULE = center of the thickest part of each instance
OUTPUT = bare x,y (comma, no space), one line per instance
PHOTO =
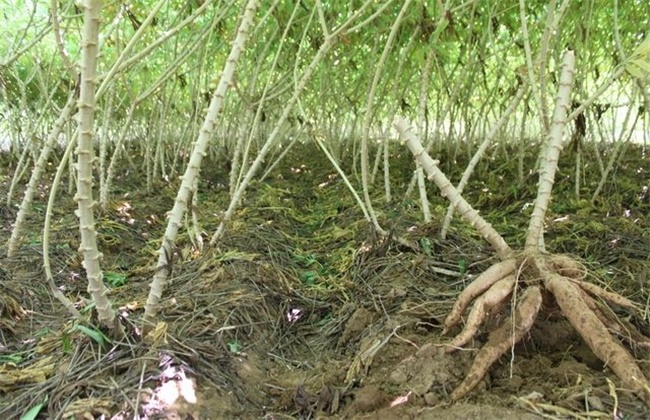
195,232
243,184
158,83
103,141
19,172
370,18
617,34
25,30
539,101
381,142
300,84
159,159
321,18
522,147
422,109
54,7
10,60
108,179
596,138
286,149
84,197
148,151
617,152
578,165
271,41
185,137
455,92
646,104
399,73
240,156
138,57
541,64
127,49
39,167
447,190
386,163
481,150
236,168
193,167
365,170
318,138
72,171
49,211
614,77
550,153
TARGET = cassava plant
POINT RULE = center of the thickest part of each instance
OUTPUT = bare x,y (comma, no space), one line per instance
166,251
87,100
525,277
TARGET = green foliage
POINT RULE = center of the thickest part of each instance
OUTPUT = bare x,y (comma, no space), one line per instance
234,346
33,412
311,269
462,266
477,46
115,279
12,359
92,333
638,65
427,248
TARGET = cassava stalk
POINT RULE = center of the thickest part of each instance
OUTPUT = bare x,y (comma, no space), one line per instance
39,167
300,84
468,213
85,157
550,156
166,251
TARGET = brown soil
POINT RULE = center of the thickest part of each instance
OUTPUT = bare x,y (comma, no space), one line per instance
298,369
294,318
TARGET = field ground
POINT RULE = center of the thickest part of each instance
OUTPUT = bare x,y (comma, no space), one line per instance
302,312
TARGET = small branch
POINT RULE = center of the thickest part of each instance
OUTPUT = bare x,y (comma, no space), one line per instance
481,151
192,171
59,41
466,211
367,120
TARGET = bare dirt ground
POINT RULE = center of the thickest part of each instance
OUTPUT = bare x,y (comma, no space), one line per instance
301,312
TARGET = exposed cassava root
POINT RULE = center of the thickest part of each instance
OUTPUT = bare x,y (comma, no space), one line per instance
489,302
578,302
482,283
610,297
587,324
501,340
616,326
568,267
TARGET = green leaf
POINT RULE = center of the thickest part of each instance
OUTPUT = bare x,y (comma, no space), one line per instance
66,343
462,266
11,358
636,71
425,243
327,319
643,49
638,64
309,277
93,333
115,279
234,346
32,413
88,308
304,260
